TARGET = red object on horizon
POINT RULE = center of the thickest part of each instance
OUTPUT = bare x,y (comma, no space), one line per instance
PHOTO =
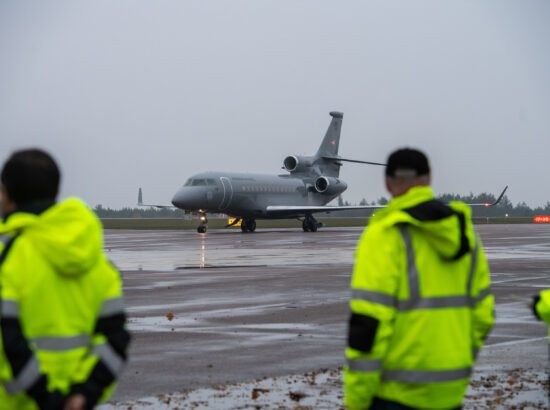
542,219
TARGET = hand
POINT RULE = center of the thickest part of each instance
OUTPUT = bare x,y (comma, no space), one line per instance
75,402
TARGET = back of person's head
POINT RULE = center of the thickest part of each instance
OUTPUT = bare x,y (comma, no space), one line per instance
31,175
407,163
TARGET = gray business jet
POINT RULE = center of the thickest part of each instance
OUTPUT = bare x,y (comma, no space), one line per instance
311,183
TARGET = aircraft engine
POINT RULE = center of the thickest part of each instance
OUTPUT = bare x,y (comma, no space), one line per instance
295,163
330,185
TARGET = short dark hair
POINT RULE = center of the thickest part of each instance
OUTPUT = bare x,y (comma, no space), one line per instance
31,175
407,162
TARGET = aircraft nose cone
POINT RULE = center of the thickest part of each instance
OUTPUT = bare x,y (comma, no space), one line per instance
191,198
179,200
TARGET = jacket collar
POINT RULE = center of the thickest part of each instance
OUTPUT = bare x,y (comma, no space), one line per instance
412,197
391,215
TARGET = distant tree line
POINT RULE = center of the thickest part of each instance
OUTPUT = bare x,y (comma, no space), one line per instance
505,207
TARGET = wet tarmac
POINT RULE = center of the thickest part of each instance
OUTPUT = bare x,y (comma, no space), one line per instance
225,307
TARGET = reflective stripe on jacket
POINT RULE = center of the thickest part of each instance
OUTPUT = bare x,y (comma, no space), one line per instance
421,305
61,311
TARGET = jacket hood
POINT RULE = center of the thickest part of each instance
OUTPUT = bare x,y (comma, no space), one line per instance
446,227
67,234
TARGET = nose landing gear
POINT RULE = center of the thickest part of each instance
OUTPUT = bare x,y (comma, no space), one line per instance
203,224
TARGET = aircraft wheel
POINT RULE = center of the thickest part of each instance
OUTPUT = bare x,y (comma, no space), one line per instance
251,224
201,229
310,224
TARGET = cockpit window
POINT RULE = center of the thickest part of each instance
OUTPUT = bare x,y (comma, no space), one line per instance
200,182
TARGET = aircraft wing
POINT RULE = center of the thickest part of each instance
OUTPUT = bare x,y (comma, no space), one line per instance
157,206
292,210
284,209
140,202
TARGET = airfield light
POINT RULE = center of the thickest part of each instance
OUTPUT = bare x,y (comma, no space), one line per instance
506,215
542,219
486,204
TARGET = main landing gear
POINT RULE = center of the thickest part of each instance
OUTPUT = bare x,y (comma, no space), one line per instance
310,224
203,224
248,225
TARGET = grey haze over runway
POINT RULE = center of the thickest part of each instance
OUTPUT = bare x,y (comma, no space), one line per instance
141,93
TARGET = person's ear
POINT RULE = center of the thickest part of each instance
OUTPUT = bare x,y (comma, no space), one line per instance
6,203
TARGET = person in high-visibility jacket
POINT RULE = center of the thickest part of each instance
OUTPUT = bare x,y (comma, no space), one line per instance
421,301
62,323
541,308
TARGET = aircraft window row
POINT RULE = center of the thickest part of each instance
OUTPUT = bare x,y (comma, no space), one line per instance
266,188
241,179
200,182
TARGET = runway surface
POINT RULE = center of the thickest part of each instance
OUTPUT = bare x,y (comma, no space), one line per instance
226,307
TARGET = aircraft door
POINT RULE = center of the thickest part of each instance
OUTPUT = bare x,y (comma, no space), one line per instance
227,193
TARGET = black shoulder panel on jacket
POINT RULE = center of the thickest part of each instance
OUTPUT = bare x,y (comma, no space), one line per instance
361,332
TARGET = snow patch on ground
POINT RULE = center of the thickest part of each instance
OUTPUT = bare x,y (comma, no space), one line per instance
506,389
320,390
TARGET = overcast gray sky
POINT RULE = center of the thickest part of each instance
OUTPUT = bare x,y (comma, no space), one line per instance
146,93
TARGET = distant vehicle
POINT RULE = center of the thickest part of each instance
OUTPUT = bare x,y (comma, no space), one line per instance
312,182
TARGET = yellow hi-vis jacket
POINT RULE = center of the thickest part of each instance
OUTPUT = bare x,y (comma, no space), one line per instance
421,305
542,308
61,312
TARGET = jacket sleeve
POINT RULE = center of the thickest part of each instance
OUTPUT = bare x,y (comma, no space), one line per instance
374,286
24,365
542,306
483,301
109,347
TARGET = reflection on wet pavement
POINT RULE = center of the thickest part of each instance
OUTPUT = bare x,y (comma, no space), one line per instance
184,249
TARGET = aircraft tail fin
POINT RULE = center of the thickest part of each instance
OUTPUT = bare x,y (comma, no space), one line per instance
329,145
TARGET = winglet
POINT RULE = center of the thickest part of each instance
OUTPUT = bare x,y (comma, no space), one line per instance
499,198
140,198
487,204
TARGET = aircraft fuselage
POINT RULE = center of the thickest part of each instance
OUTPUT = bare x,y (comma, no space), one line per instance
248,195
